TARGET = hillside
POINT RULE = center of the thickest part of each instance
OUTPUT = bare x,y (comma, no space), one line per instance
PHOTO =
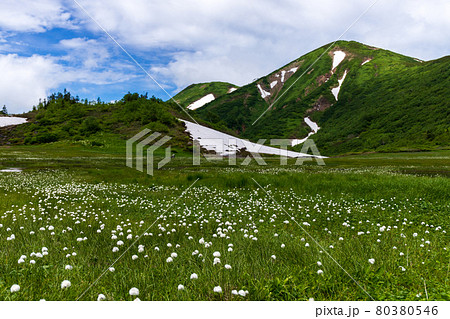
64,117
197,95
362,98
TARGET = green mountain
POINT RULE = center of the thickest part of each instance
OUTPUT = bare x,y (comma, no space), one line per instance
195,92
385,101
64,117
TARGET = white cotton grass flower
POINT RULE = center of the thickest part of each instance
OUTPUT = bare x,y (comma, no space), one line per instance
218,289
115,249
134,291
283,245
169,259
216,254
111,269
273,257
174,255
242,293
227,266
180,287
68,267
32,261
101,297
134,257
194,276
320,272
234,292
65,284
230,249
372,261
319,263
15,288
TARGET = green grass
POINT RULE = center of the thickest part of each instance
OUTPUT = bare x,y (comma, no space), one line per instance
76,188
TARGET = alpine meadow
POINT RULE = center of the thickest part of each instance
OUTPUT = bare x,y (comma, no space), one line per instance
327,179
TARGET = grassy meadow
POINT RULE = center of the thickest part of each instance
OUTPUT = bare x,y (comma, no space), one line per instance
360,228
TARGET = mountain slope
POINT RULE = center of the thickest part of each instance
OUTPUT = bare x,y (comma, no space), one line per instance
197,95
362,98
64,117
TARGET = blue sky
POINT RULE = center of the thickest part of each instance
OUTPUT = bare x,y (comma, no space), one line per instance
49,45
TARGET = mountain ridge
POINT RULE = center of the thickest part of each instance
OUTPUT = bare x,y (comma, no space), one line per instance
321,91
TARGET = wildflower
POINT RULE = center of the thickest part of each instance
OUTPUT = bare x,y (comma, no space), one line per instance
134,257
273,257
180,287
234,292
242,293
157,248
68,267
319,263
227,266
65,284
15,288
134,291
372,261
194,276
218,289
230,249
283,245
119,243
216,254
174,255
115,249
111,269
320,272
216,261
101,297
306,245
32,261
169,260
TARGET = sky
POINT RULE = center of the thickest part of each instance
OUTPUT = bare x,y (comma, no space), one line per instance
49,45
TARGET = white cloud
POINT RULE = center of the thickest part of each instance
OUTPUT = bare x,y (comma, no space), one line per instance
33,16
25,80
237,41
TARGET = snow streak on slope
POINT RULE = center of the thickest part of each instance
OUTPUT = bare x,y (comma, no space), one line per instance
199,103
336,90
232,90
224,144
339,56
314,127
264,94
367,61
6,121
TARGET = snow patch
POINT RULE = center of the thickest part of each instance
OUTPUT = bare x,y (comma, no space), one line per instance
312,125
272,85
6,121
367,61
282,75
264,94
336,90
232,90
224,144
293,70
199,103
314,128
338,57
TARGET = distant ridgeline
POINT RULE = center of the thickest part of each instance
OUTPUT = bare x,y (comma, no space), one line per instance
64,117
